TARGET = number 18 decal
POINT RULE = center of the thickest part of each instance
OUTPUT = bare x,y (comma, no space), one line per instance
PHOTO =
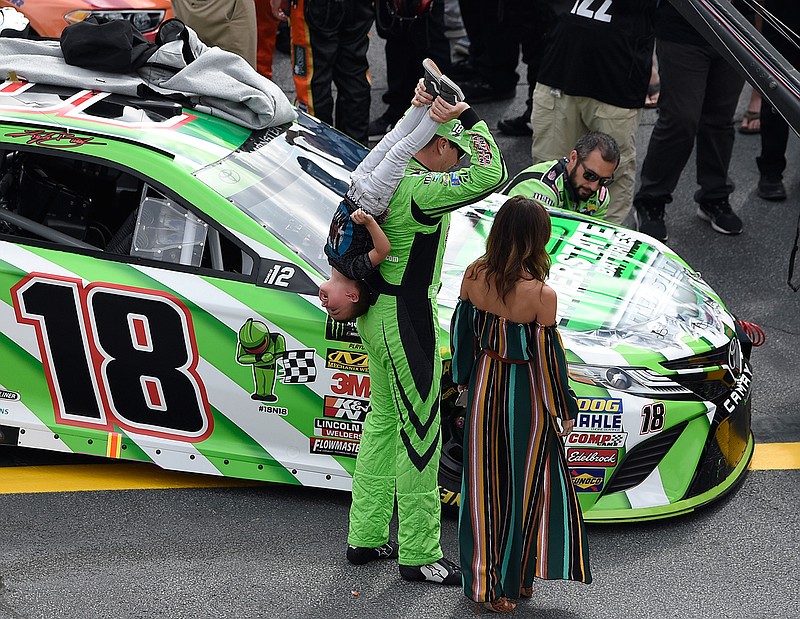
116,355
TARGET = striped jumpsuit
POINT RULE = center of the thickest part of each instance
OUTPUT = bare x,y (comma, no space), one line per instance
519,515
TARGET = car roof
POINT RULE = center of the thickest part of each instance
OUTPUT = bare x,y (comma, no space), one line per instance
192,138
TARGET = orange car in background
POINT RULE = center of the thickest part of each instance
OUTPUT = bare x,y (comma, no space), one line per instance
49,17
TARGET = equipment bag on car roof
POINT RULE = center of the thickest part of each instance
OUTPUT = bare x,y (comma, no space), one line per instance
115,46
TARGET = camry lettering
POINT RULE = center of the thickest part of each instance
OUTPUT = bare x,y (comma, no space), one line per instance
739,394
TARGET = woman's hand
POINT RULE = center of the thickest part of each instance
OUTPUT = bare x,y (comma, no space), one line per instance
567,425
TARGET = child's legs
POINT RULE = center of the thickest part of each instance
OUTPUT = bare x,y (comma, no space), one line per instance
373,191
403,127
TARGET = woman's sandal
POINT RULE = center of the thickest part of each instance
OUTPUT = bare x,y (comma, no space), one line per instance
526,592
500,605
749,120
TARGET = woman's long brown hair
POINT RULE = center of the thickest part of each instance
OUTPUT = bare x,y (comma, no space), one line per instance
515,243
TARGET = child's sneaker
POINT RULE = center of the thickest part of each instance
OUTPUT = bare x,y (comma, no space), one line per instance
431,77
449,90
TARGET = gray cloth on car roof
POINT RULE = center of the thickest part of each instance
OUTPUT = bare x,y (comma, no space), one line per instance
216,82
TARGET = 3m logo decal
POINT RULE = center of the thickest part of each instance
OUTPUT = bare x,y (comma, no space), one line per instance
588,480
352,361
338,428
595,457
334,447
350,384
116,356
596,439
346,408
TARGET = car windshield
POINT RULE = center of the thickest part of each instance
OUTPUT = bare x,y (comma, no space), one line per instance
290,180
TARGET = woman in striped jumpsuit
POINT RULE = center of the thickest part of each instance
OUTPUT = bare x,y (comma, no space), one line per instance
519,515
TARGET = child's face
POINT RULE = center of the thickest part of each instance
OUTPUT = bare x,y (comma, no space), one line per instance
337,299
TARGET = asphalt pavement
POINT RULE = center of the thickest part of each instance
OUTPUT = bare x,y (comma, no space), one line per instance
277,551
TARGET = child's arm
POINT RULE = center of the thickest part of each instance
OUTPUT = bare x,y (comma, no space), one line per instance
381,243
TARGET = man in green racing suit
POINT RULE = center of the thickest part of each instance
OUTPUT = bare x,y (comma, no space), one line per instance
400,444
578,183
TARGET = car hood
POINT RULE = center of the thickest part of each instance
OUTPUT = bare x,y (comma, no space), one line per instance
617,289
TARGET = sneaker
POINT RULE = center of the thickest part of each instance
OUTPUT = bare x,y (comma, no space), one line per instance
650,220
443,572
721,216
518,126
771,188
431,77
358,555
379,127
449,91
478,91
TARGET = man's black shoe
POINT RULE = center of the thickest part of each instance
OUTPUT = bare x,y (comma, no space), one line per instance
650,220
379,127
518,126
442,572
771,188
359,556
721,216
478,91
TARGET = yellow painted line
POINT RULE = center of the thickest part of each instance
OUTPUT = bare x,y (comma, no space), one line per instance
776,456
143,476
117,476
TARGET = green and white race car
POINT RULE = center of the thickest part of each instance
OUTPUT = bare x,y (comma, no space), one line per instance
159,273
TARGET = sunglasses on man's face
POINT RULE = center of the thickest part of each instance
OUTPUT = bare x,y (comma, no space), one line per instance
594,177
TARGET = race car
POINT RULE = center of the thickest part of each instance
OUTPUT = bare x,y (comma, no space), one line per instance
159,277
49,17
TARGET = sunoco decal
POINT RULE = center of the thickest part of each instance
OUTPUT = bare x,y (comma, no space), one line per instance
580,456
334,447
588,480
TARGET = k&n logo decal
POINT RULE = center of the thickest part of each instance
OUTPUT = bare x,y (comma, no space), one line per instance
351,409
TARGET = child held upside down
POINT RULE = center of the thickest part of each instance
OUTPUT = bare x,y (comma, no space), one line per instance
356,244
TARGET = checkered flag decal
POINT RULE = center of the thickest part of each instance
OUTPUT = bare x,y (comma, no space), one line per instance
298,366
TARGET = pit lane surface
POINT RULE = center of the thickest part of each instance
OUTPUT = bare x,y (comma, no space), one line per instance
272,551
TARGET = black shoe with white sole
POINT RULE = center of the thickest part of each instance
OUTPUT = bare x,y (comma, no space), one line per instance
443,572
358,555
721,216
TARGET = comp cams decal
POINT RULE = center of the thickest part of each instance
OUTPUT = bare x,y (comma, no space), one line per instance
596,439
